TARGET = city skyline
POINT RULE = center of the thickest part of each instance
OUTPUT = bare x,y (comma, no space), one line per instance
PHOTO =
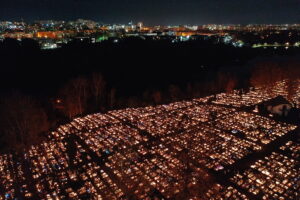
155,12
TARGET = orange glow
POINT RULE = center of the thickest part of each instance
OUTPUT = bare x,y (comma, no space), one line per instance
52,34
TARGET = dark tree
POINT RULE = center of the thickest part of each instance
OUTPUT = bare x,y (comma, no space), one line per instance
23,121
75,96
97,89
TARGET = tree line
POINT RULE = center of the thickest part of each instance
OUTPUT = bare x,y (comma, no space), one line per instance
25,119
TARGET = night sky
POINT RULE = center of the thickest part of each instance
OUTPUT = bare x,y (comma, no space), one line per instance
173,12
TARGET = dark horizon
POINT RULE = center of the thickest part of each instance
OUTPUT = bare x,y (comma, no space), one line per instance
170,12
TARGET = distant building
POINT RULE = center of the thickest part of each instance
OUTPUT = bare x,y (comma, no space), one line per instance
140,25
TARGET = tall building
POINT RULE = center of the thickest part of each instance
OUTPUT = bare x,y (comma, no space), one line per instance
140,25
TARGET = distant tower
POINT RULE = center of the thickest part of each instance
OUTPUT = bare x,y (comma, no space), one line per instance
140,25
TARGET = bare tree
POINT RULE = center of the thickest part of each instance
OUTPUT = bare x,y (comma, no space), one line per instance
266,74
97,88
112,98
75,95
230,85
80,86
157,97
22,121
174,92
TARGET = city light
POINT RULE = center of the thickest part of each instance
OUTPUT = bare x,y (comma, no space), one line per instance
133,152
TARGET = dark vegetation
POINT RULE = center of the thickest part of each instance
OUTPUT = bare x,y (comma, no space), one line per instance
42,89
